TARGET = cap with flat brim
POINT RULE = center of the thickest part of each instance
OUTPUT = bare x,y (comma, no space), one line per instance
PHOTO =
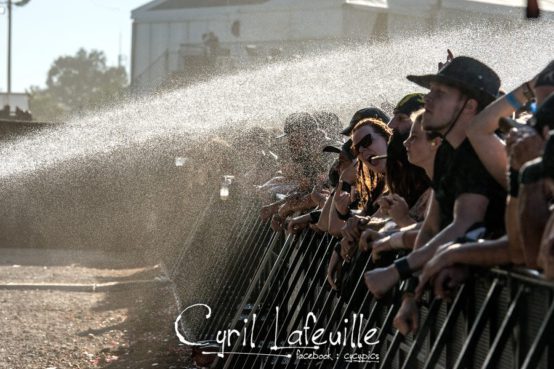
470,75
409,104
334,148
338,148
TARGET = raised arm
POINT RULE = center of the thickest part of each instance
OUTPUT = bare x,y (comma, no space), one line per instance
481,132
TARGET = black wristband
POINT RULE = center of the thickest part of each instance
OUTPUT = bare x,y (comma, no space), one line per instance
513,182
403,268
532,173
343,216
314,216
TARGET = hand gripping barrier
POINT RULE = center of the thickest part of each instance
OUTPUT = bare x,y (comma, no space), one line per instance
274,284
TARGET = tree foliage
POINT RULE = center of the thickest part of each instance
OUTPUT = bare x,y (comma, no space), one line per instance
76,84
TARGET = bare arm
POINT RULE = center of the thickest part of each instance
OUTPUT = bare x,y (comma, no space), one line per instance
296,204
484,254
431,223
468,209
533,215
335,223
323,223
481,133
511,219
341,202
546,254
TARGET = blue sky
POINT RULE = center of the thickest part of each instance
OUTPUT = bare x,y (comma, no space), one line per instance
46,29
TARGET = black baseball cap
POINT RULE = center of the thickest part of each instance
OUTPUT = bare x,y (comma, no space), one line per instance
409,104
339,147
364,113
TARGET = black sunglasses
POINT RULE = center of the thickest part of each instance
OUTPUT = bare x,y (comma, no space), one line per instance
364,142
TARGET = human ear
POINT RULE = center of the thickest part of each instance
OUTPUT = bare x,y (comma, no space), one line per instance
472,105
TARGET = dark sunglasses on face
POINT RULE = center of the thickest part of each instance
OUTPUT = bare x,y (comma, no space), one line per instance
364,142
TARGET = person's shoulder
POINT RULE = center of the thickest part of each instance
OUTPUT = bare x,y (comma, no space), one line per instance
466,146
466,152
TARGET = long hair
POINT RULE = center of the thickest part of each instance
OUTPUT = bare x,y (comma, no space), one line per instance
370,184
403,178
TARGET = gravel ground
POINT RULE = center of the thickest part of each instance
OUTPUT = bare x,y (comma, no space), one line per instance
46,329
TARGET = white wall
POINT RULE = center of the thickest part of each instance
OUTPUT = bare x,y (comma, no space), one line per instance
20,100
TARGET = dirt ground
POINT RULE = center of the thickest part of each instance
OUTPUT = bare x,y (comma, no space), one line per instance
115,329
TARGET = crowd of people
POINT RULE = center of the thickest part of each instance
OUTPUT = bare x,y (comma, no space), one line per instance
457,178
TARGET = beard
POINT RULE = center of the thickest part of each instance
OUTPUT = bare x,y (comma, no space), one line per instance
446,126
437,128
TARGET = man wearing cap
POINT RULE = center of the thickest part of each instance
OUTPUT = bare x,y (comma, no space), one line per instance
401,120
537,180
526,218
307,165
465,194
304,140
320,218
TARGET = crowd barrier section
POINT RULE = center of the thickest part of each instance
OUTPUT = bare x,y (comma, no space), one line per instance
500,318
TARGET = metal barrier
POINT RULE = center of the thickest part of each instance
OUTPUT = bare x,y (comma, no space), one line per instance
274,285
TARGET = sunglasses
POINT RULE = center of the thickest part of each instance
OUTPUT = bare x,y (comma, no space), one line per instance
364,142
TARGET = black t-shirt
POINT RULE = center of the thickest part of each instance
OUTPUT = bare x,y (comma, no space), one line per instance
459,171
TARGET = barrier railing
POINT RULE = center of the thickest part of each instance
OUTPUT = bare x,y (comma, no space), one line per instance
275,284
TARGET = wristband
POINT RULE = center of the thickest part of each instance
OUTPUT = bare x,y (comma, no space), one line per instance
532,172
314,216
343,216
513,182
511,99
403,268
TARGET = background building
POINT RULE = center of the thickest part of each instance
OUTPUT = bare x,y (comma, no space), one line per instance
182,39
